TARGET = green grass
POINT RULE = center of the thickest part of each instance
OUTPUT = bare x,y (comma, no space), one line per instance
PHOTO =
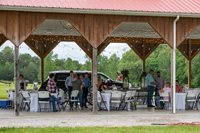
137,129
3,87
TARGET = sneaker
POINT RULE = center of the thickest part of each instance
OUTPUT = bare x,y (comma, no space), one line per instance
55,111
86,107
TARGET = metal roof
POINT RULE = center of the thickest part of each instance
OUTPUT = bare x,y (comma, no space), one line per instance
162,6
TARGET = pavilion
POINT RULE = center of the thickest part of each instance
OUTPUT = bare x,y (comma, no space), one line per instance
93,24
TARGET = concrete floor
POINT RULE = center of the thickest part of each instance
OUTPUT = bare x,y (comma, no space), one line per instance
142,110
141,116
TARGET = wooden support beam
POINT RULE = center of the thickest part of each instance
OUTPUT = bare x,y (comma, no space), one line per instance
194,54
16,75
42,63
143,65
34,49
189,74
84,49
103,47
135,50
147,55
183,53
2,42
94,80
49,50
42,70
189,65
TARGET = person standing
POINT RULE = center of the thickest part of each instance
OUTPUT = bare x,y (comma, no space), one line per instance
86,87
68,84
23,83
52,84
76,83
159,79
151,84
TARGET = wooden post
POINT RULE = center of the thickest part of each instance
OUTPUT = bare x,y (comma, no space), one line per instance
172,80
143,65
189,65
16,75
42,70
94,79
143,54
42,63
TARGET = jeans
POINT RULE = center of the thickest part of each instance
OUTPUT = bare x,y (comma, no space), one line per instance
156,92
80,97
85,93
53,99
158,103
150,90
70,91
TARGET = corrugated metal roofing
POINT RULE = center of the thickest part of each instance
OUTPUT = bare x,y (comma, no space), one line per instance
171,6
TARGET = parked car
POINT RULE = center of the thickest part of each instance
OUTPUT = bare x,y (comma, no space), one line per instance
60,77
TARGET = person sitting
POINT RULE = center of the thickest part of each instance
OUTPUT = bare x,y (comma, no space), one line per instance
52,84
157,98
178,88
100,87
52,99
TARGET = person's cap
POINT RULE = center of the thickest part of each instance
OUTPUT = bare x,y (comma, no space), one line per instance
158,71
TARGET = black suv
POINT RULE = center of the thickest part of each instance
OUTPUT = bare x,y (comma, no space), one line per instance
60,77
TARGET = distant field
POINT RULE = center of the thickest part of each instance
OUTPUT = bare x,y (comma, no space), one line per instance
3,87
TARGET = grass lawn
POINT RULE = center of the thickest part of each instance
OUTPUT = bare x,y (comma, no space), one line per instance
3,87
137,129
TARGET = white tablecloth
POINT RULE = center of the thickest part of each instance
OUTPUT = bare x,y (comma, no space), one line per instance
180,101
34,105
107,97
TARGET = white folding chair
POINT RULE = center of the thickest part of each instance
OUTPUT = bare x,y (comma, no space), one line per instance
114,89
59,96
44,95
25,100
126,99
108,91
8,92
32,91
191,98
101,100
132,99
74,98
165,94
116,97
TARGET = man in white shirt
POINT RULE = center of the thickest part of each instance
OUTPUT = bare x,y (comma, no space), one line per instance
157,98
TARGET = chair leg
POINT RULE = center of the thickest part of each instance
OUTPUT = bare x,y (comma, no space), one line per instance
124,106
40,107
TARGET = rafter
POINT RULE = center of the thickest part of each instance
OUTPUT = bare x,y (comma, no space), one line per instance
147,55
135,50
183,53
33,48
103,47
84,49
50,49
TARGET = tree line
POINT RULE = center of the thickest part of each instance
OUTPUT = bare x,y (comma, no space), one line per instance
159,60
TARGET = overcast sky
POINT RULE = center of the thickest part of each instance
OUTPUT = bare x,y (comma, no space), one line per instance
72,50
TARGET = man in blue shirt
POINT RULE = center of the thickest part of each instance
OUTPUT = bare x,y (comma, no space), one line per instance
68,84
151,85
86,87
